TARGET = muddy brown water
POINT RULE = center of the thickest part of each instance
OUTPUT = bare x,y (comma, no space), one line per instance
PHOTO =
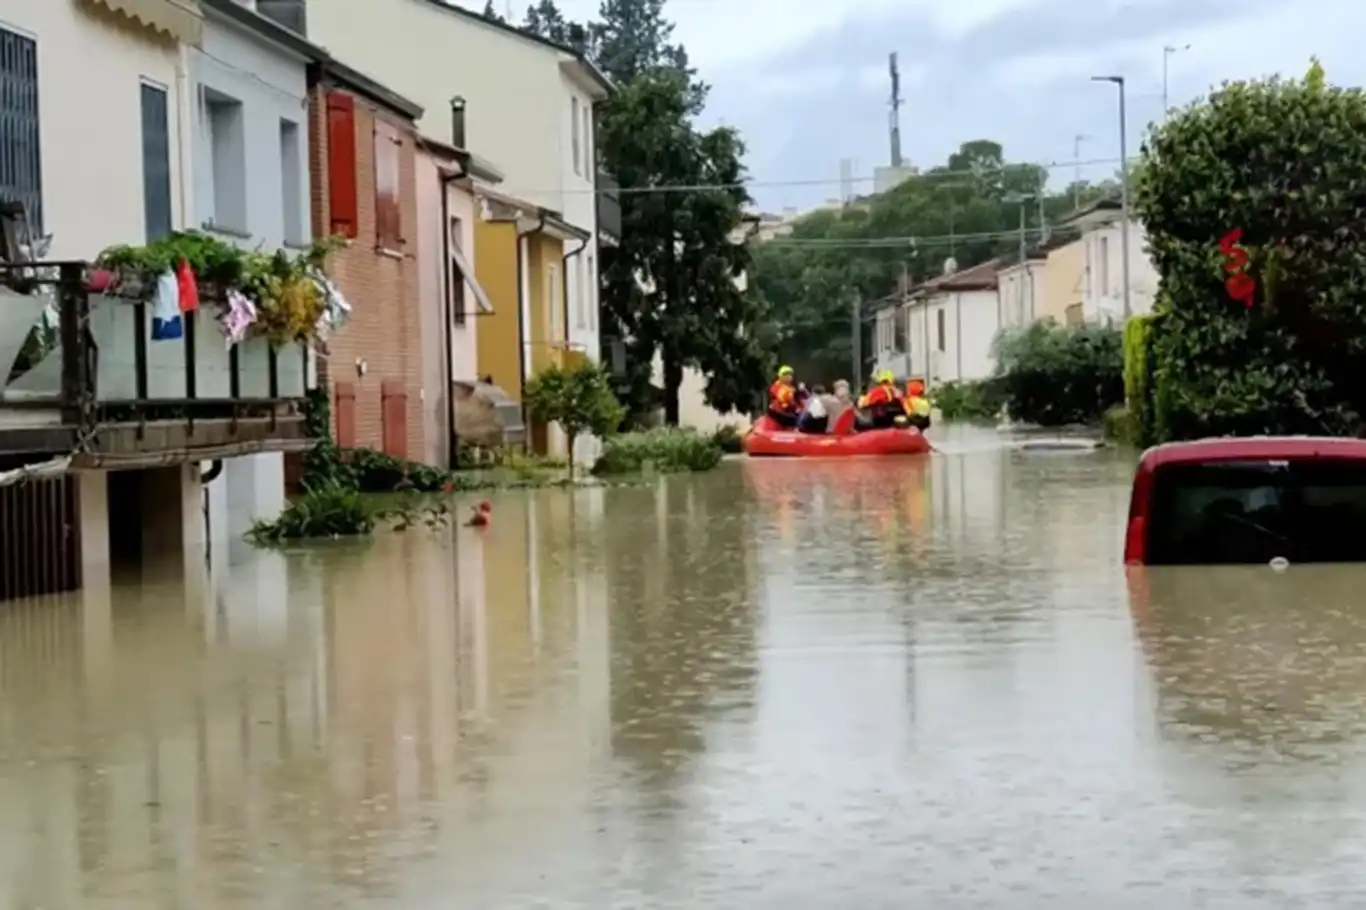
816,685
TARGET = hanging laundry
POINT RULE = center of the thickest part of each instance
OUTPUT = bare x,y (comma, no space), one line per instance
240,316
167,323
336,310
188,286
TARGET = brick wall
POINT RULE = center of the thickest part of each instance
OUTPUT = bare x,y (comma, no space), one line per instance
382,286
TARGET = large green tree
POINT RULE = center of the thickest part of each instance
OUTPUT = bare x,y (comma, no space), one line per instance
675,286
968,209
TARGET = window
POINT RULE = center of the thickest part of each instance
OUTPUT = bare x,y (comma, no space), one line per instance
341,165
156,163
1254,511
588,143
457,275
1103,268
292,183
939,321
228,150
554,304
574,128
388,212
21,176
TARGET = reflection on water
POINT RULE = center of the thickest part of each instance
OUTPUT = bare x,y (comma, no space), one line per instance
781,684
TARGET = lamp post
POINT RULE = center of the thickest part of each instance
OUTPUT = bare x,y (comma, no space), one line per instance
1167,51
1118,82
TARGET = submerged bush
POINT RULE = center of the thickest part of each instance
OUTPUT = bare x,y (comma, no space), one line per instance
1279,161
328,511
665,449
729,438
1054,375
968,400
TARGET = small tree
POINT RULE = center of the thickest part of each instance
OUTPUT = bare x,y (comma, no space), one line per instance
579,398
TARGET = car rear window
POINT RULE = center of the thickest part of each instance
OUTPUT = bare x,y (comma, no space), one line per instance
1254,511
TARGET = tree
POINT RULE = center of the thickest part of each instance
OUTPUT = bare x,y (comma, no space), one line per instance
1280,160
491,13
579,398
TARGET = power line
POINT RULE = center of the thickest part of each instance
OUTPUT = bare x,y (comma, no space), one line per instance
960,175
906,241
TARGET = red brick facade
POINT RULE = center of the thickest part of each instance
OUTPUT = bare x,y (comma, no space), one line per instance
381,408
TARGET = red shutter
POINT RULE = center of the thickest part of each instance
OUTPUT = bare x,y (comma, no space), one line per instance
344,415
341,163
394,417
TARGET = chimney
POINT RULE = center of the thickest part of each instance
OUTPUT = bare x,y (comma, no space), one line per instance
458,122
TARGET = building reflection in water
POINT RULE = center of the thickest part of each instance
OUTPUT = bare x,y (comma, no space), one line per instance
294,729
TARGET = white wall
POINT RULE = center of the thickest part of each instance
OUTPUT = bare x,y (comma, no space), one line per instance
90,77
271,84
970,327
1103,297
1021,289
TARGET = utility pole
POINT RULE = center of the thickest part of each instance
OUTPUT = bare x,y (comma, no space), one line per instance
895,123
1076,173
1022,230
1118,82
856,317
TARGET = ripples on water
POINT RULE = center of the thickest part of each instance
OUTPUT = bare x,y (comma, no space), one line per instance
787,684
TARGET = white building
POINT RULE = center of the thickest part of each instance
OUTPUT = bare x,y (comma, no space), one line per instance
1101,230
1021,289
943,329
528,106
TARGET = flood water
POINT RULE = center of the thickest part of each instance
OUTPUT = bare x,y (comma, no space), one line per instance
871,684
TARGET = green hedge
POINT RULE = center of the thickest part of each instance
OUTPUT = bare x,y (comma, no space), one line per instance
1138,380
1281,161
665,449
1053,375
969,400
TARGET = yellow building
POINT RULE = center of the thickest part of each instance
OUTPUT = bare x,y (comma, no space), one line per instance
1064,284
520,252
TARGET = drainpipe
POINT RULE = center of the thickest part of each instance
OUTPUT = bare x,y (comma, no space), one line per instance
524,288
564,270
444,181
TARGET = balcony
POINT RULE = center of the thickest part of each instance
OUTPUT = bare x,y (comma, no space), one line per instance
609,211
105,391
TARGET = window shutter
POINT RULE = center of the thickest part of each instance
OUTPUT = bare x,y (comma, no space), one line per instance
341,164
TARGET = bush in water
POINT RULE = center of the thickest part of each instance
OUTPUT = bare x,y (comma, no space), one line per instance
968,400
729,438
579,398
1281,160
1054,375
665,449
327,511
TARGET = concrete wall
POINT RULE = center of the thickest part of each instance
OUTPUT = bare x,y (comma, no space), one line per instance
91,67
971,321
1103,298
1064,282
1021,290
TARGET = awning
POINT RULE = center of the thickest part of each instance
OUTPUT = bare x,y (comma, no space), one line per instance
182,20
481,297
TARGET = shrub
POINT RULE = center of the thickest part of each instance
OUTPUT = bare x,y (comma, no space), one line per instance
327,511
1120,425
1054,375
664,449
969,400
1281,161
1138,384
729,438
579,398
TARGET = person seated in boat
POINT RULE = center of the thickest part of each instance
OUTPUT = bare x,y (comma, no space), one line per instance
917,405
814,418
881,405
782,399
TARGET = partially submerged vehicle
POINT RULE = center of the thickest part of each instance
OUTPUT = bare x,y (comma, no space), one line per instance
1253,500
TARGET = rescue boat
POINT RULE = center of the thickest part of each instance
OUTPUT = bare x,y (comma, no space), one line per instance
767,439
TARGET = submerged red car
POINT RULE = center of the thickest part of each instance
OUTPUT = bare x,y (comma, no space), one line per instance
1249,500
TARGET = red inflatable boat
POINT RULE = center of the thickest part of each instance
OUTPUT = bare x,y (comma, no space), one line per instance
767,440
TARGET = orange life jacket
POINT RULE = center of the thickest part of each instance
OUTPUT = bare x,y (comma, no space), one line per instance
782,397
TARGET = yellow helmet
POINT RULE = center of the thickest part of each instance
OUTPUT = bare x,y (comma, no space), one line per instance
784,371
885,376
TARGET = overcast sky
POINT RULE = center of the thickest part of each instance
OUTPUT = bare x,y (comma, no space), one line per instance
806,80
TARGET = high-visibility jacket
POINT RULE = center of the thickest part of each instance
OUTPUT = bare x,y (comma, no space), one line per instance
782,397
883,393
918,406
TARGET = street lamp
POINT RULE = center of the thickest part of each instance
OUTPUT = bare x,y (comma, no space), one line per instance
1118,82
1167,51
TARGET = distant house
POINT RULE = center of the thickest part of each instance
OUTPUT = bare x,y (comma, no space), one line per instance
1100,225
951,322
1021,289
1062,295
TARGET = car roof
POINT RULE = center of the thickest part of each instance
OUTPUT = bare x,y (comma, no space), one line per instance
1252,447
